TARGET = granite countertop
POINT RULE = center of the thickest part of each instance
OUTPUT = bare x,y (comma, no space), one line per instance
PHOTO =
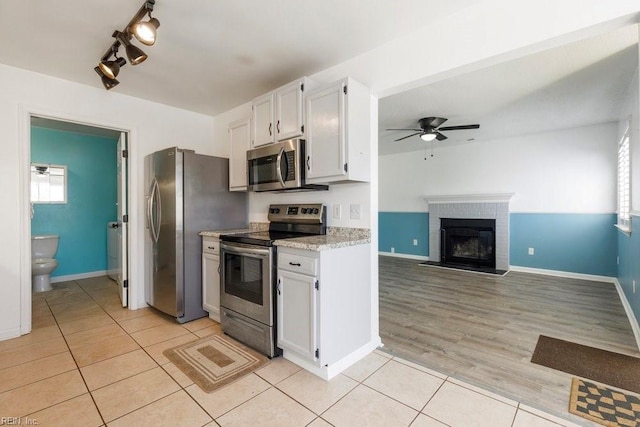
217,233
322,243
336,237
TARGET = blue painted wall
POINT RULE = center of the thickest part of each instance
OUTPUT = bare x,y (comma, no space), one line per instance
629,268
577,243
398,229
81,223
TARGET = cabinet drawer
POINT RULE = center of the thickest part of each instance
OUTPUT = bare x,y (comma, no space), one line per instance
297,263
210,245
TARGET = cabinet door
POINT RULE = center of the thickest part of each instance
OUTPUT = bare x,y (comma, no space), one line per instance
325,133
264,131
211,285
289,111
297,327
240,140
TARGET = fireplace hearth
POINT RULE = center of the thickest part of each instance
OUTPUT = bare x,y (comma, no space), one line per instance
468,243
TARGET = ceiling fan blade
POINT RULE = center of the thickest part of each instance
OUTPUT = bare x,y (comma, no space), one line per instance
459,127
431,122
415,130
440,137
408,136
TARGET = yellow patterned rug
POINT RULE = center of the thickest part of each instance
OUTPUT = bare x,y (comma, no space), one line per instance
604,405
215,361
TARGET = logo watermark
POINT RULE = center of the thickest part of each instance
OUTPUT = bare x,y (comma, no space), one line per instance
18,421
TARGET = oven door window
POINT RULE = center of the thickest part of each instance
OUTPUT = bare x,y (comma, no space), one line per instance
244,277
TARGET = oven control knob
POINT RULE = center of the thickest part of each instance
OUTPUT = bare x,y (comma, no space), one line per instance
315,211
304,210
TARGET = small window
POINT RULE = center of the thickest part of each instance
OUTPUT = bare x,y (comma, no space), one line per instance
624,188
48,183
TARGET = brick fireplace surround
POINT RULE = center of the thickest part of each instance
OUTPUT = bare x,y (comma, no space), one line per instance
475,206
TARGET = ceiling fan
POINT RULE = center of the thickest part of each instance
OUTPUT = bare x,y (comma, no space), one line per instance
430,130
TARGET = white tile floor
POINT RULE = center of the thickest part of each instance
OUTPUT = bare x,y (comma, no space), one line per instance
90,362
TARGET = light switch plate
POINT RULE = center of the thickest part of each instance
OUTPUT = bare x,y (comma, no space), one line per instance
337,211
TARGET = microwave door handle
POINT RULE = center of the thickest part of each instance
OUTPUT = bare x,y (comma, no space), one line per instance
278,167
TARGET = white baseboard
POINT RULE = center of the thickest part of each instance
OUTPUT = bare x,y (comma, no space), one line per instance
9,333
409,256
630,315
88,275
558,273
328,372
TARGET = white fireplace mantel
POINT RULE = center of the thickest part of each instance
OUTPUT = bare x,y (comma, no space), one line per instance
470,198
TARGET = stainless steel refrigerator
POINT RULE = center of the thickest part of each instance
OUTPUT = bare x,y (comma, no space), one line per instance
186,194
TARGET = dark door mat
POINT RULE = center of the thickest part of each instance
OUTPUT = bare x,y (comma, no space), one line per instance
603,404
486,270
615,369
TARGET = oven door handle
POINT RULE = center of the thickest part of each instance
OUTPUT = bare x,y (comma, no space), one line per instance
278,167
241,249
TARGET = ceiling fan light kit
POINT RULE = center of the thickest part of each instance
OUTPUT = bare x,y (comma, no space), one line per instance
143,31
430,129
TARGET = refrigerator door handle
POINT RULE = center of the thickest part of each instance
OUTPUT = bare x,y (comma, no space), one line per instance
154,199
158,223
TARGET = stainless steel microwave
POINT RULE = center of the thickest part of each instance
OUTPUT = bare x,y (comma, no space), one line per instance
279,167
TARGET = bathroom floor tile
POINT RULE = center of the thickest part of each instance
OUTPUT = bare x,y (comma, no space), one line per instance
31,372
405,384
127,395
271,408
31,398
177,409
314,392
228,397
364,406
103,350
79,411
117,368
445,406
158,334
43,321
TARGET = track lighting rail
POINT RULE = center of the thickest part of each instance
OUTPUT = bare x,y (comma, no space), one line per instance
144,31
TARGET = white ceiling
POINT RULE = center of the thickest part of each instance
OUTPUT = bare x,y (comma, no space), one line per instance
578,84
212,56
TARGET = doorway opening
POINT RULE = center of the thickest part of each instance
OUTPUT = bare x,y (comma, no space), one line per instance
96,195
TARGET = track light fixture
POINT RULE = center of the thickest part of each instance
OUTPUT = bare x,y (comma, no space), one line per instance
143,31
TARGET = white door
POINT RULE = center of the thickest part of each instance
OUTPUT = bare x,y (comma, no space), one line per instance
289,111
263,128
123,221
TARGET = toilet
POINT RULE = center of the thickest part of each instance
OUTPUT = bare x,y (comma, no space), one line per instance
43,249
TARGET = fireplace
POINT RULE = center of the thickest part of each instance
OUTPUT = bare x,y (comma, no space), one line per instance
468,242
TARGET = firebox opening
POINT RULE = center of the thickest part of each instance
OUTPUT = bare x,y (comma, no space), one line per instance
468,242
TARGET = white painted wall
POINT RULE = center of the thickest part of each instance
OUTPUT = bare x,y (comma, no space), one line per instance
569,171
630,115
152,126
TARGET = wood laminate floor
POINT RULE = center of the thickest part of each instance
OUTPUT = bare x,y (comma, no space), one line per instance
483,328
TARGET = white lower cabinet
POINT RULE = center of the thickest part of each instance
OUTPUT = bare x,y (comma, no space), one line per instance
324,301
211,276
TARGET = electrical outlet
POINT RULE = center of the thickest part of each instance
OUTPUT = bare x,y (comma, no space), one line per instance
415,242
531,251
393,250
337,211
354,211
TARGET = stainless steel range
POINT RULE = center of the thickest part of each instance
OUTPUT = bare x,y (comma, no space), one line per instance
248,273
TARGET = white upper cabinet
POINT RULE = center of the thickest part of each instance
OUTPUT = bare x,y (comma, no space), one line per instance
338,133
278,115
263,118
239,140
